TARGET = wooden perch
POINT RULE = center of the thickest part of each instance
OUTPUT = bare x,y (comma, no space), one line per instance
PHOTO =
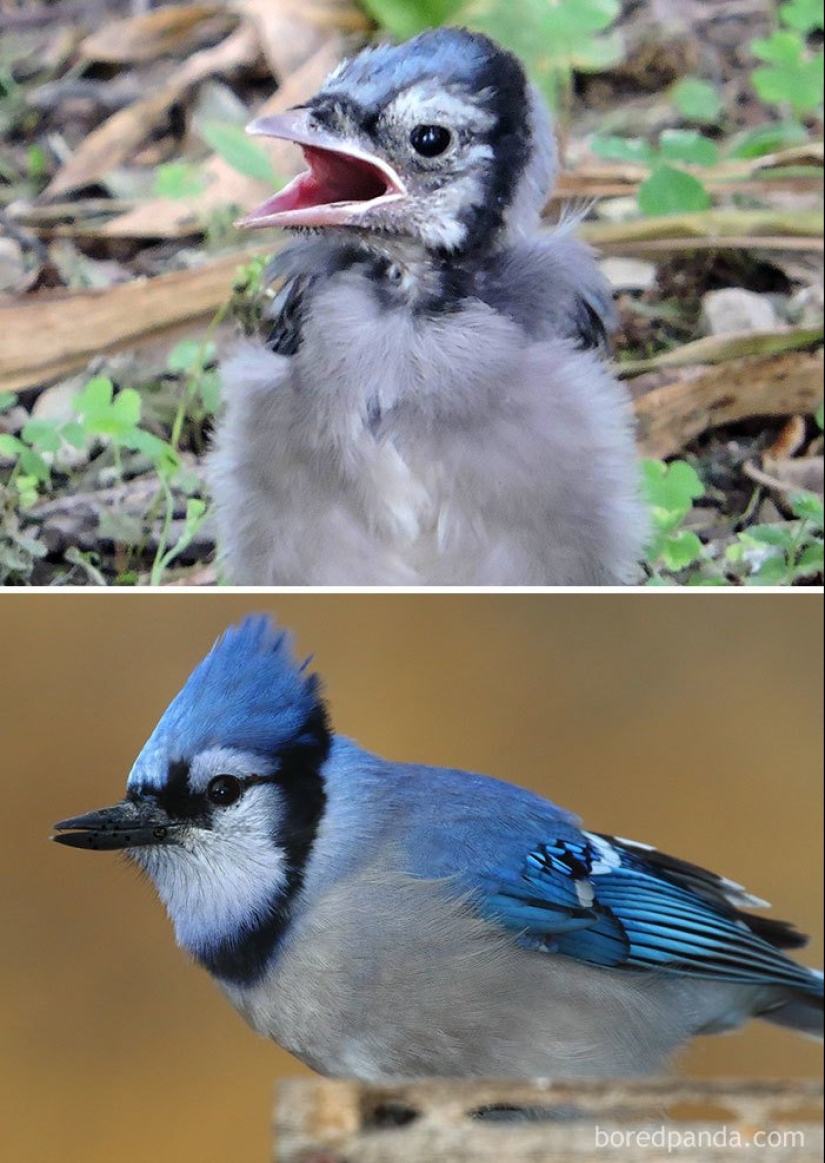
538,1122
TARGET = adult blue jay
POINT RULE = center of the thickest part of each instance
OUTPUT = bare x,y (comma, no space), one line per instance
383,920
429,406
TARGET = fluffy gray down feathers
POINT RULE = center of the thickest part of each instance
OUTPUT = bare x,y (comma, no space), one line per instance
479,446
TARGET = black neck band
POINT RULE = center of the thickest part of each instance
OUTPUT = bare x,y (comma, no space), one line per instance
243,958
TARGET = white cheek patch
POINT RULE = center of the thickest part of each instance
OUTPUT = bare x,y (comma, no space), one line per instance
218,882
443,226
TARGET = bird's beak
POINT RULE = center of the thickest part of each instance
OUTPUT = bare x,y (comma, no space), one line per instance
126,825
341,183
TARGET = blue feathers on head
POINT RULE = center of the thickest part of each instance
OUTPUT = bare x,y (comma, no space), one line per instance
382,71
248,693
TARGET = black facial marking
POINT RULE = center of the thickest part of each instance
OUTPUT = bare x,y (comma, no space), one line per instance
503,78
175,797
302,785
243,959
332,111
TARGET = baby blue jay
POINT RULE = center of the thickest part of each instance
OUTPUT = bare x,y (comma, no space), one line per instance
385,920
429,406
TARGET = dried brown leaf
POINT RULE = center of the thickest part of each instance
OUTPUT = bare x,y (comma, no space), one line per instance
175,218
674,408
118,136
789,440
292,31
159,32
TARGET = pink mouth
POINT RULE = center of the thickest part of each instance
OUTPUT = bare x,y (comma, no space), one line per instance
339,185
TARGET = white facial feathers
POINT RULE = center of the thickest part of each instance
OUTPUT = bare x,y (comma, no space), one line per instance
225,869
428,104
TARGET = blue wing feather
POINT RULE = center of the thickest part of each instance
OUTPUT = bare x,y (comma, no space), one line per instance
599,899
612,903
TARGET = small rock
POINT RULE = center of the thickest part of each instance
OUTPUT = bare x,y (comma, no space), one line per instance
733,309
55,403
13,419
79,529
12,265
629,274
807,307
623,208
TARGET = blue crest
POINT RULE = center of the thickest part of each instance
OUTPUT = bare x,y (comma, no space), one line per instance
443,53
248,693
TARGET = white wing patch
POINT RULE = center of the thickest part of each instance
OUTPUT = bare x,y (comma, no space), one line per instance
609,859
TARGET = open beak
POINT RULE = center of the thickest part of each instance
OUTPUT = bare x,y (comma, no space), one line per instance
126,825
340,185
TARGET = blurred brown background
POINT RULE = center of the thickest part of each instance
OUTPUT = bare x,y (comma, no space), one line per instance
694,723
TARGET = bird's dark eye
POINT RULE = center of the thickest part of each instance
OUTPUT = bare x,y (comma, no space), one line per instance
224,790
430,140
